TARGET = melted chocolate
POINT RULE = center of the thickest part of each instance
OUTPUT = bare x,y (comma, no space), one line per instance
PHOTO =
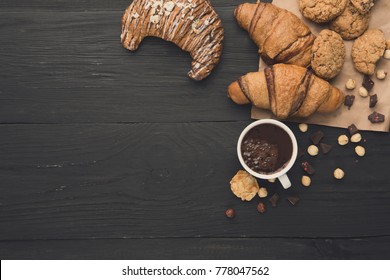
266,148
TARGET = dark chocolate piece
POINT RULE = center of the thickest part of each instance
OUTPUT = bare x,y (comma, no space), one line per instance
261,207
368,83
325,148
316,137
293,200
308,168
274,199
376,117
352,129
349,99
300,152
373,100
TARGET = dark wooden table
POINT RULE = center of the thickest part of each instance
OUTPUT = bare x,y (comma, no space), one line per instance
105,154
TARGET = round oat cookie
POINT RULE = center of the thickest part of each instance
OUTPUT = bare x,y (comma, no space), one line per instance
363,6
367,50
321,11
328,54
350,24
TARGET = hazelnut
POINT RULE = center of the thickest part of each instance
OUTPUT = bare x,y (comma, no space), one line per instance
363,92
261,207
350,84
306,181
312,150
338,173
262,192
272,180
343,140
387,54
303,127
360,151
381,74
230,213
356,138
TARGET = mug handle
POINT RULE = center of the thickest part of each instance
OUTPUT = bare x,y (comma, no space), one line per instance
285,181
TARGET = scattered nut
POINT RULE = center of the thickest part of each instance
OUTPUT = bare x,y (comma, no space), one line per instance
350,84
272,180
381,74
261,207
387,54
230,213
360,151
343,140
244,185
338,173
356,138
312,150
262,192
306,181
363,92
303,127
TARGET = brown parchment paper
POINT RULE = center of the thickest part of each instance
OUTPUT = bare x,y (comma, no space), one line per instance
358,114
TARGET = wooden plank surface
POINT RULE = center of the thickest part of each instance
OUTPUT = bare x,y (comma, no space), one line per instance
200,248
105,153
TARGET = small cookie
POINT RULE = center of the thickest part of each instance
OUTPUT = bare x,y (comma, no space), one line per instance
367,50
350,24
328,54
321,11
363,6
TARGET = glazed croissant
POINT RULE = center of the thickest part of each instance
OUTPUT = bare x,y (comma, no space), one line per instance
286,90
280,35
192,25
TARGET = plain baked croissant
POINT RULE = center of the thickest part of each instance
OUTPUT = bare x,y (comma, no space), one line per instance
192,25
286,90
279,34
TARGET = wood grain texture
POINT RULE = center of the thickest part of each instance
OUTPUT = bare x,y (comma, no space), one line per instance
69,67
172,180
199,248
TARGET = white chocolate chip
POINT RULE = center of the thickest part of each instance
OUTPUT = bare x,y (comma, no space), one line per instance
381,74
343,140
169,6
262,192
356,138
135,15
338,174
155,19
360,151
271,180
303,127
312,150
387,54
350,84
306,181
363,92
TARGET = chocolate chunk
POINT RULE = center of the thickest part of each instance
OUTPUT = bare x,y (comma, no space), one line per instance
368,83
352,129
373,100
308,168
316,137
325,148
293,200
376,118
349,99
274,199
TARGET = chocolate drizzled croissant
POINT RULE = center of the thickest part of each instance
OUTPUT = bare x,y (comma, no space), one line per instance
280,35
192,25
286,90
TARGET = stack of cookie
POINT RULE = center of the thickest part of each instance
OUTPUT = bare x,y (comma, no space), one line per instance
348,20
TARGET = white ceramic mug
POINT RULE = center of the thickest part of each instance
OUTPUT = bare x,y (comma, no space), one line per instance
280,174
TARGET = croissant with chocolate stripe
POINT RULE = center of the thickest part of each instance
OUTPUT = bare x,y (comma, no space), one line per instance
286,90
279,34
192,25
